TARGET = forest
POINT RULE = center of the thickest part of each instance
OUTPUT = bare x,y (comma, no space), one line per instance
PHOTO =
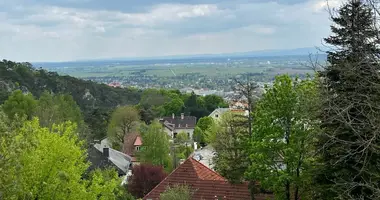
313,138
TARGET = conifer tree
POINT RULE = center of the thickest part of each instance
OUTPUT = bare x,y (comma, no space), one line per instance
349,148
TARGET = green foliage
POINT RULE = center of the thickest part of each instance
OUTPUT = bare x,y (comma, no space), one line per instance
181,138
205,123
348,144
105,185
230,143
213,102
177,192
155,149
281,149
123,120
210,135
53,164
20,104
155,103
199,135
88,95
97,121
55,109
203,126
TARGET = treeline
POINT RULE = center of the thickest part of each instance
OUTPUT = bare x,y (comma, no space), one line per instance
97,101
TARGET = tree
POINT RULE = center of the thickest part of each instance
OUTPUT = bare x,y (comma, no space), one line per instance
174,106
145,177
349,143
56,109
203,125
177,192
53,164
20,104
213,102
230,144
199,135
105,184
97,121
281,148
122,122
181,138
247,88
155,149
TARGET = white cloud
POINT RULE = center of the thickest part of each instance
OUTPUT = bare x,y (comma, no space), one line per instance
323,5
51,33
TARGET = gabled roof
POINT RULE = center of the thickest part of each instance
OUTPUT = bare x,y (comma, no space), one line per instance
188,122
219,111
119,159
138,141
205,183
100,161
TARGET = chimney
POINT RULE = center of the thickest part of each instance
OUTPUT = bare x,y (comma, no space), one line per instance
182,115
173,115
106,152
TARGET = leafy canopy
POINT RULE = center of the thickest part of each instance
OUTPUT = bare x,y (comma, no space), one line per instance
281,148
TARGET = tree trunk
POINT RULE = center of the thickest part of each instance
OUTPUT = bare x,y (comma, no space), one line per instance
252,189
287,190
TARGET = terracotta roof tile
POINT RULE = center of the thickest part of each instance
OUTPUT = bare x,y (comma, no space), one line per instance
205,183
138,141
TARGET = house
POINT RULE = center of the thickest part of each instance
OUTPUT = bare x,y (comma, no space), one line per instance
99,160
102,157
205,155
204,183
132,145
217,113
176,124
242,104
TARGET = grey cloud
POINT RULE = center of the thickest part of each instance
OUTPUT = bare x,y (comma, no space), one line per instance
142,5
76,31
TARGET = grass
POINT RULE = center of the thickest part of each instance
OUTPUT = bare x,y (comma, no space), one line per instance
165,70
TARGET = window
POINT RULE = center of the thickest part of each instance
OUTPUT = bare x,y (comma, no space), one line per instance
174,135
216,115
137,148
188,134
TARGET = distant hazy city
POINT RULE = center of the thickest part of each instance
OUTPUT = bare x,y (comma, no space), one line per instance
204,75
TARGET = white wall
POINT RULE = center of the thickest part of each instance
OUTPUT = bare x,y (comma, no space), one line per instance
170,133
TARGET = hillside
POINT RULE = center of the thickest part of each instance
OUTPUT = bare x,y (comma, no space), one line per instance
95,100
88,95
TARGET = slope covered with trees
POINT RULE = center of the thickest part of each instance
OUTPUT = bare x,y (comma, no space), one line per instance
95,100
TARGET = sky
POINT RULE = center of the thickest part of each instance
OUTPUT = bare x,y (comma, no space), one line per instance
65,30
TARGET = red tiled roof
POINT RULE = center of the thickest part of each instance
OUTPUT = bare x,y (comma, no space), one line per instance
205,183
138,141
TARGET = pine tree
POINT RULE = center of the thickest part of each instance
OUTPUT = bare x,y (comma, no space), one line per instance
349,144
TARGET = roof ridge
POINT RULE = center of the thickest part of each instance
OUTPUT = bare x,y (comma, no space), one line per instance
165,178
204,166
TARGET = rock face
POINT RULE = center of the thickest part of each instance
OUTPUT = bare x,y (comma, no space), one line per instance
6,86
87,95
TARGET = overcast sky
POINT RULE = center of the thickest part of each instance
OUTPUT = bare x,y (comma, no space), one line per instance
59,30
